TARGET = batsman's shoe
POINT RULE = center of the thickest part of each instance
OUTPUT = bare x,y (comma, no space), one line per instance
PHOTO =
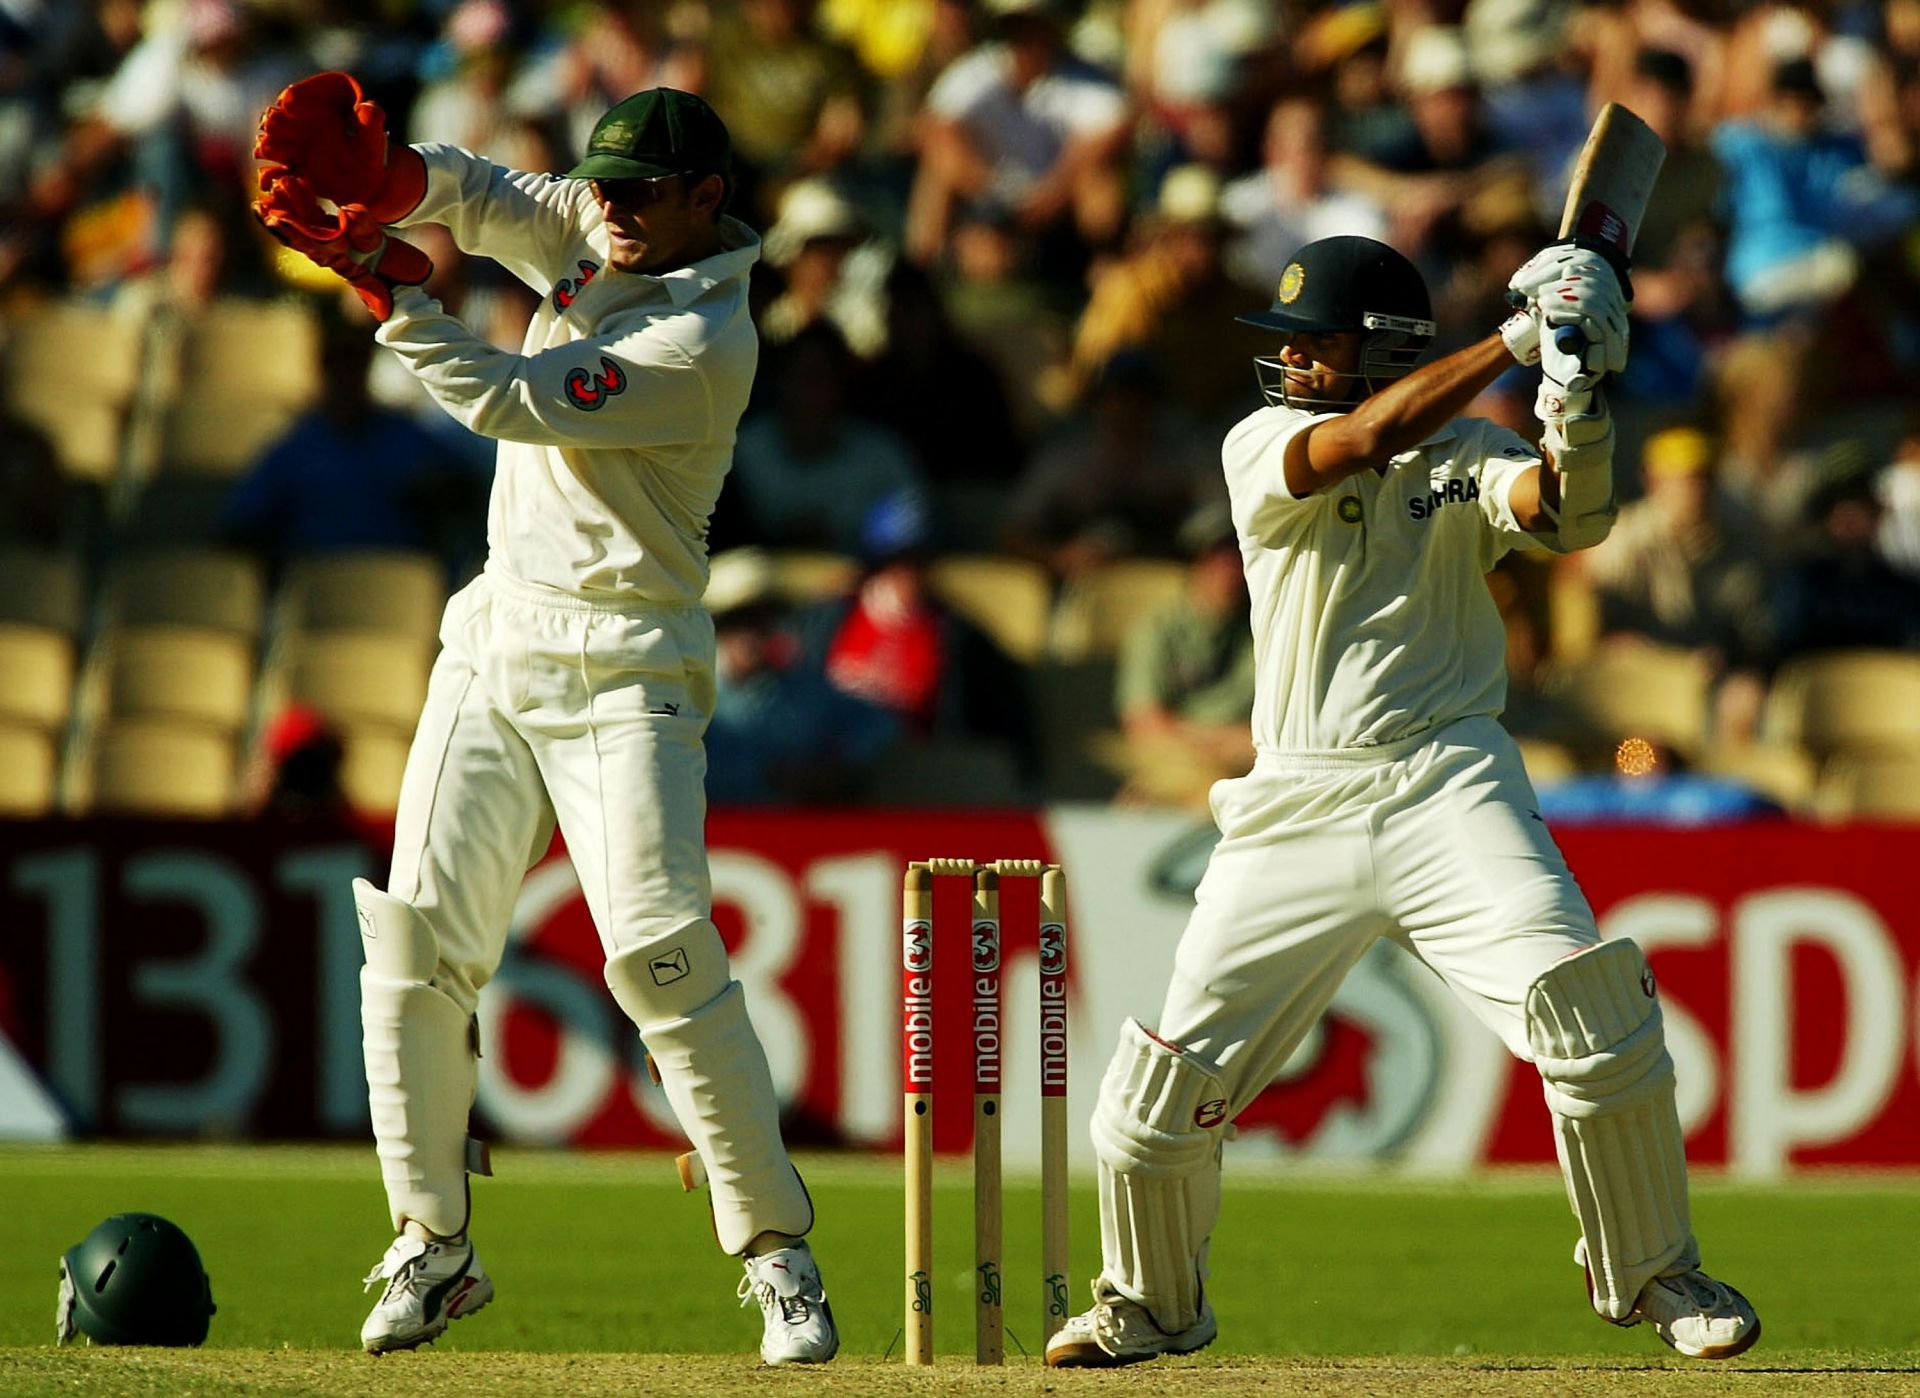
425,1286
1118,1331
1700,1317
799,1326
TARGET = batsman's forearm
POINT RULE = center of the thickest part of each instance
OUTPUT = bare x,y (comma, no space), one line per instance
1406,413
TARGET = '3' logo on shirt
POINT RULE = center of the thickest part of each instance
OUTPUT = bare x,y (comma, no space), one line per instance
567,288
588,390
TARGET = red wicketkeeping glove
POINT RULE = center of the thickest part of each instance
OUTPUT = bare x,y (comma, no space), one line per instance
351,243
325,130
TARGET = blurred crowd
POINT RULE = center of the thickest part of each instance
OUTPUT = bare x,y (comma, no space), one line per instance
1004,244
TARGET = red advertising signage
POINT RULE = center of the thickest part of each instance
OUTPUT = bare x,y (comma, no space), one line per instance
185,980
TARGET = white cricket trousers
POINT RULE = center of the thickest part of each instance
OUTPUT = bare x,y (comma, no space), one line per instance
545,707
1436,842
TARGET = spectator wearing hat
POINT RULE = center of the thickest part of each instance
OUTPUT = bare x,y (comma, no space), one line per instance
781,733
893,643
1169,297
1445,154
1686,565
1185,684
830,266
1023,126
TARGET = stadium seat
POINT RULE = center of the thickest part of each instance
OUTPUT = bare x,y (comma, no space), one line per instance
220,439
1645,691
180,672
361,677
36,676
240,350
1846,701
375,759
1096,613
1862,786
1547,762
154,767
191,587
1008,598
40,587
403,593
48,352
1779,771
801,576
27,768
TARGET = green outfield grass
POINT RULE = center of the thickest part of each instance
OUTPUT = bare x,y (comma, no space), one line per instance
608,1279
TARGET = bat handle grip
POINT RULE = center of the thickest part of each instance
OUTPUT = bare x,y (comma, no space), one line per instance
1568,340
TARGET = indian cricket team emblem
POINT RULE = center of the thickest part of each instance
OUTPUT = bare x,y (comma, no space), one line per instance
916,946
1349,509
1292,282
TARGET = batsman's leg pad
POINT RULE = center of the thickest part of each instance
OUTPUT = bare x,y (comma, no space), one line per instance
714,1073
1157,1132
1593,1024
670,976
421,1074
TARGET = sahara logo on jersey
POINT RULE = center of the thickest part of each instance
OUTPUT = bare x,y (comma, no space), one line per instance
589,391
1454,492
566,289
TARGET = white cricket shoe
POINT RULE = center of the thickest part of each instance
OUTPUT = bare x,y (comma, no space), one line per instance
793,1303
1700,1317
1118,1331
428,1284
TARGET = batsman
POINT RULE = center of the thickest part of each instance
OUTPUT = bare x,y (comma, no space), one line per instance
1386,799
576,675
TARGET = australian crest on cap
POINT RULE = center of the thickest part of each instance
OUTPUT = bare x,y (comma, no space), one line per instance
615,136
1292,282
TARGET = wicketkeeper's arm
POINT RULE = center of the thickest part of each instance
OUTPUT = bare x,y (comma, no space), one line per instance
632,388
523,221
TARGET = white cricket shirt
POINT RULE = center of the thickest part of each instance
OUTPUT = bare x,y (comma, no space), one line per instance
616,420
1371,616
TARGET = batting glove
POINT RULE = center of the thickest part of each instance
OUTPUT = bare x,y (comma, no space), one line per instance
325,130
350,243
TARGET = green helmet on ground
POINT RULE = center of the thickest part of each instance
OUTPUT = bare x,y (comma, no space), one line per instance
136,1279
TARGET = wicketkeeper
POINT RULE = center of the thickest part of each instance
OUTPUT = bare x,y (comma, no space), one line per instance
576,676
1387,801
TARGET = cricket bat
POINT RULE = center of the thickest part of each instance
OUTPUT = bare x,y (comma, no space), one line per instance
1609,194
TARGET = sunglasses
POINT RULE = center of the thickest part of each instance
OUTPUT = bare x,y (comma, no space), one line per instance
636,193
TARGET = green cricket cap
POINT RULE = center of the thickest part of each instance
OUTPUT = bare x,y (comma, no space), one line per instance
661,131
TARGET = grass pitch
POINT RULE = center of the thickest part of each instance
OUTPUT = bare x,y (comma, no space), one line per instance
609,1281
